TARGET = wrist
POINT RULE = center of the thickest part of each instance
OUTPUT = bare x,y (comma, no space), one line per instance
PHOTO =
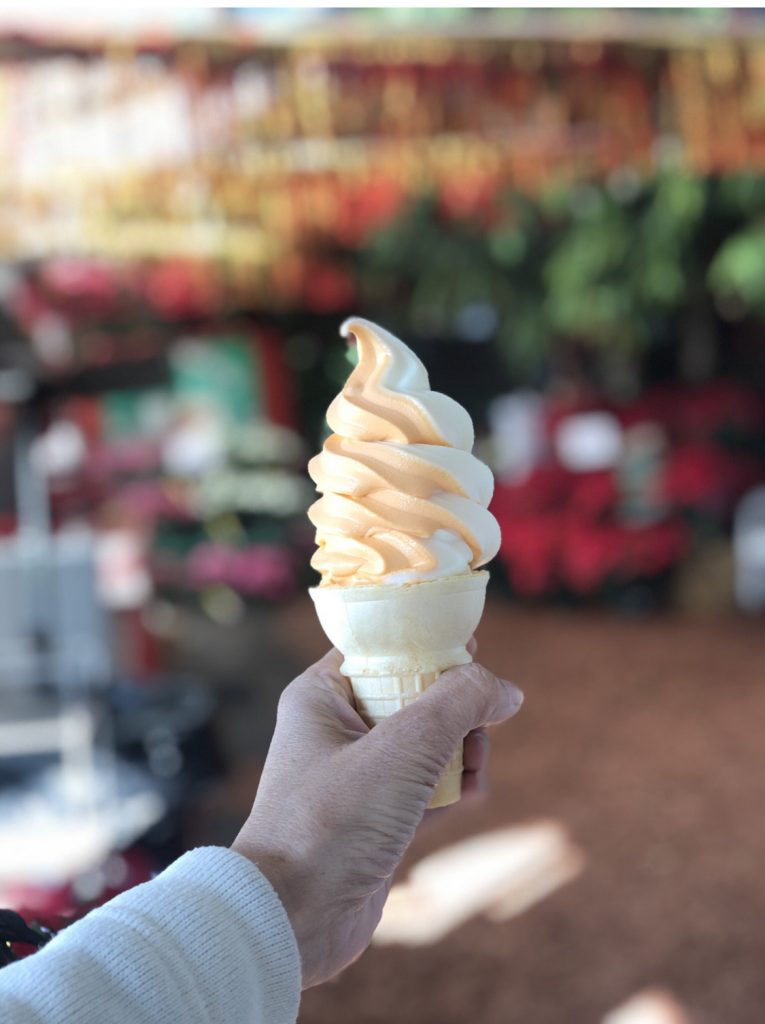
287,881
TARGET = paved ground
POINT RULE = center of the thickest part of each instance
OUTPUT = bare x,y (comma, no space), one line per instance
646,739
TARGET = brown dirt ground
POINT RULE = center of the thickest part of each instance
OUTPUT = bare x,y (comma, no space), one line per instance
645,739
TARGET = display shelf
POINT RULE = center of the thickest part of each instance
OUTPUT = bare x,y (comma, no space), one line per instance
250,166
233,33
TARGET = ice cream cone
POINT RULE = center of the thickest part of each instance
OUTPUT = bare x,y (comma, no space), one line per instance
397,639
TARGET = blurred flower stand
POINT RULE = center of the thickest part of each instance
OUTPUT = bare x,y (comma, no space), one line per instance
73,794
632,502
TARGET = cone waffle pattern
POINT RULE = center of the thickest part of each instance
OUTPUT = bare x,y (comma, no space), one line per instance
377,697
397,640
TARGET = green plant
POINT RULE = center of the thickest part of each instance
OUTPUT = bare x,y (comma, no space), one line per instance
619,264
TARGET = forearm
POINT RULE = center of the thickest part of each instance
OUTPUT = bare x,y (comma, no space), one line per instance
206,942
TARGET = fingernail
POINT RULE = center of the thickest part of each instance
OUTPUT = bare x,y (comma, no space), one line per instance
516,695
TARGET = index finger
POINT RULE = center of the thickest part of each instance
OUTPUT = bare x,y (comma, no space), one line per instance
460,700
326,674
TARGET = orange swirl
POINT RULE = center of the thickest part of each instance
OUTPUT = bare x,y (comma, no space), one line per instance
402,495
388,398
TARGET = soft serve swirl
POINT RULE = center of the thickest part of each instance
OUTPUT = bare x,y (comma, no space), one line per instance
403,499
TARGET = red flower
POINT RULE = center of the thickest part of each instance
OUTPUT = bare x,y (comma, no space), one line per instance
545,488
656,405
593,495
590,553
705,477
654,549
721,404
468,197
86,284
329,289
530,552
593,553
182,288
368,207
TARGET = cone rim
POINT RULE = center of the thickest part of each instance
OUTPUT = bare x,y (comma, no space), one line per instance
378,589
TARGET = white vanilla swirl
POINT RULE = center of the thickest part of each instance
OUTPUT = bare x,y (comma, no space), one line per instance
403,497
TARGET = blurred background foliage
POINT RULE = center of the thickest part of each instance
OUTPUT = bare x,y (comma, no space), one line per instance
624,263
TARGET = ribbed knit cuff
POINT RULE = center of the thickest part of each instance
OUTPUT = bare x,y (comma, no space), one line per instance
222,918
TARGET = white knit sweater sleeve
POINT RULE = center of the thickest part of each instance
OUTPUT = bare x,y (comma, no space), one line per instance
206,942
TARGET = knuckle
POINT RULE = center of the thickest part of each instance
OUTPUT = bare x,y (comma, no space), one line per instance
292,697
482,692
490,694
463,700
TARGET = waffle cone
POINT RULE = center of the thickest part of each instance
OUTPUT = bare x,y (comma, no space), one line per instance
397,639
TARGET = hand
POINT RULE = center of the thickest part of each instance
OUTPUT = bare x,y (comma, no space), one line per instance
338,803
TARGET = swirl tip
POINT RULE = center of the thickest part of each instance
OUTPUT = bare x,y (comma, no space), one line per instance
347,328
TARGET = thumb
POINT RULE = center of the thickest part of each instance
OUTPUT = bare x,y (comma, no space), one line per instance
461,699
